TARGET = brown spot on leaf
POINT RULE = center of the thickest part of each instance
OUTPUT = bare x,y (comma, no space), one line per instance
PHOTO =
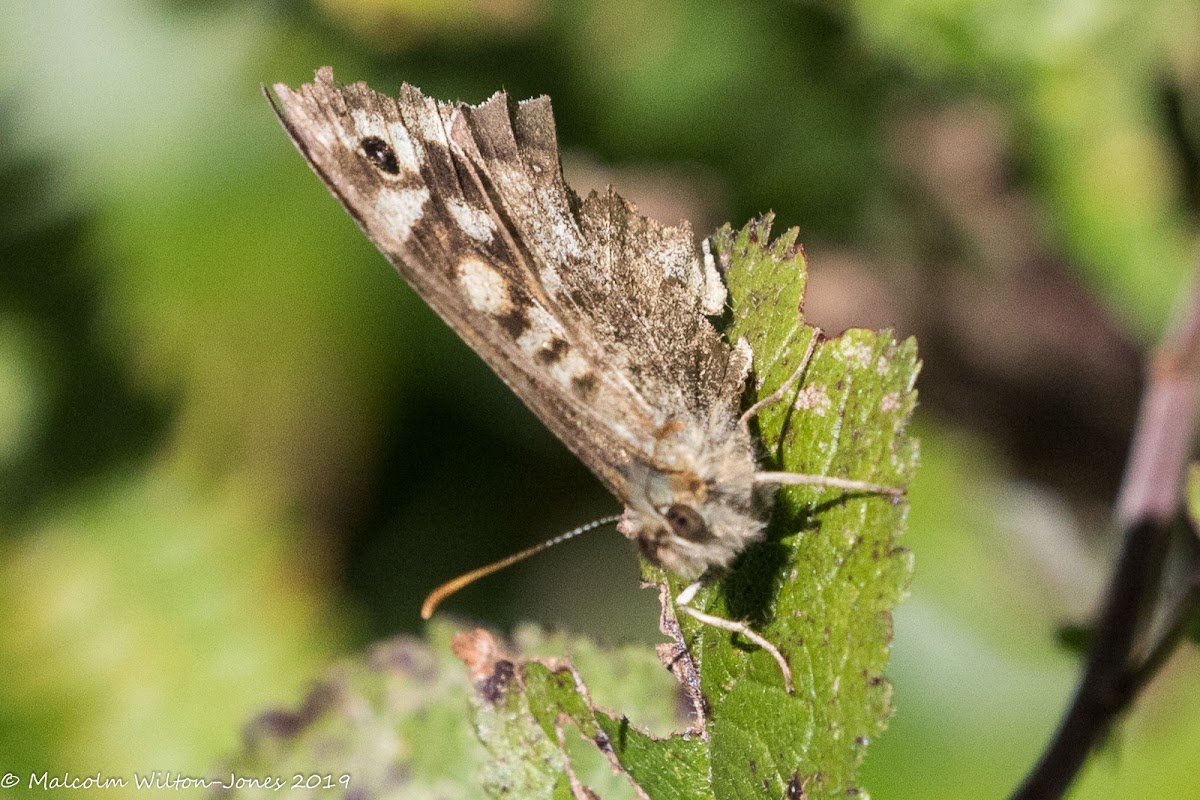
795,788
288,723
398,775
492,688
477,649
404,656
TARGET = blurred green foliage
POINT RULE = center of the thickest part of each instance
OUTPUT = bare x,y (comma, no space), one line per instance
233,445
364,730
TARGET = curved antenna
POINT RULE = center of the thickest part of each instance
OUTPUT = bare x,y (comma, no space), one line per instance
450,587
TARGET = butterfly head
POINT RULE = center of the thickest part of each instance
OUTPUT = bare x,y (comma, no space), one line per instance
694,510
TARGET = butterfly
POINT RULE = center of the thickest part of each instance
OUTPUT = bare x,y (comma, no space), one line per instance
598,318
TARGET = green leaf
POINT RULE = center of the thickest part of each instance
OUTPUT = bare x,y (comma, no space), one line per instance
407,721
530,714
820,587
392,724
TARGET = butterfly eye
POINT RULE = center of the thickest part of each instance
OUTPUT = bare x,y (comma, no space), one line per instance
686,523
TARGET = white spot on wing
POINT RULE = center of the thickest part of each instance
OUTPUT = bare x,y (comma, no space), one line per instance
367,124
553,231
542,329
435,124
472,221
565,234
713,299
550,279
485,289
321,130
400,210
408,154
889,402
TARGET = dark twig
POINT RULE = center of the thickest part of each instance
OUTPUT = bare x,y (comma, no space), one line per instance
1099,697
1179,622
1149,501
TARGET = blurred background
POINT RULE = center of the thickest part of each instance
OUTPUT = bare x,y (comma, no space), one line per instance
235,446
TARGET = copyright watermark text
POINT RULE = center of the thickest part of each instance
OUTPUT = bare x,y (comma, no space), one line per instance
159,780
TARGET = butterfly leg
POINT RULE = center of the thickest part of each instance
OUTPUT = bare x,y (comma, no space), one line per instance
780,393
683,602
798,479
826,482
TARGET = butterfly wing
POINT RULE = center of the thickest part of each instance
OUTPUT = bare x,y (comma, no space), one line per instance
593,315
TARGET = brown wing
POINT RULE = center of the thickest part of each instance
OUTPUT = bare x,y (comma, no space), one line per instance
592,314
637,285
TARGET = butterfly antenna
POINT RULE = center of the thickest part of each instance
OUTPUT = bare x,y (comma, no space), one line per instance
450,587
